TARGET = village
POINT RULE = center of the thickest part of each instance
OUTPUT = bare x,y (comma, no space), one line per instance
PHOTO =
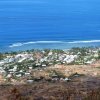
34,65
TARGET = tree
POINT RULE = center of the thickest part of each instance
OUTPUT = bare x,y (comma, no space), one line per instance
1,56
46,51
99,54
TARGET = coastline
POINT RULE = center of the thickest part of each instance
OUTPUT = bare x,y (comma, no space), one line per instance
20,46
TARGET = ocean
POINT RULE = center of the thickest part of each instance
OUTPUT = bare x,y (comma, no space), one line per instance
58,24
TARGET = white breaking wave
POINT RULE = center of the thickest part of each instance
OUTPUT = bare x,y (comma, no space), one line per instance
46,42
32,42
49,42
16,45
89,41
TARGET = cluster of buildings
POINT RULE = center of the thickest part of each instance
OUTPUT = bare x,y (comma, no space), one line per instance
22,64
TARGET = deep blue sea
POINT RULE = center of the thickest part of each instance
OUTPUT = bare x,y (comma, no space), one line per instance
27,24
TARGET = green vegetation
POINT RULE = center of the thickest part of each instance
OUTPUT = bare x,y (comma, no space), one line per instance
99,54
1,56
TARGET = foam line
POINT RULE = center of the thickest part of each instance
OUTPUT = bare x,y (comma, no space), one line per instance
46,42
32,42
89,41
